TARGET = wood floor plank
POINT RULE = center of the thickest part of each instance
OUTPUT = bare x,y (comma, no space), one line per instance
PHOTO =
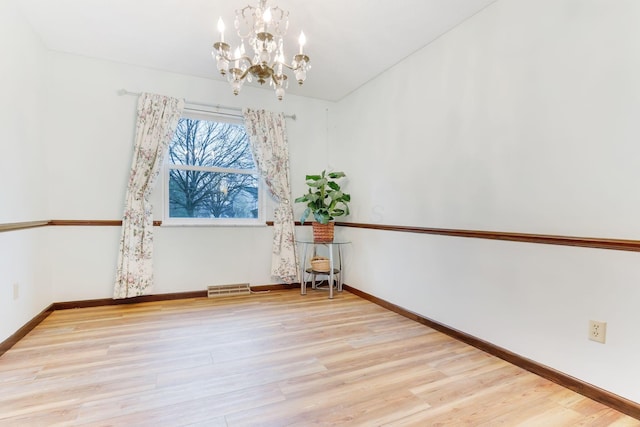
270,359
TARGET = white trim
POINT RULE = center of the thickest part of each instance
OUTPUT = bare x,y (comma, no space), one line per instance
217,116
212,169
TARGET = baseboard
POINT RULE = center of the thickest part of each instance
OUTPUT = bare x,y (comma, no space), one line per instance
605,397
133,300
22,332
159,297
275,287
18,335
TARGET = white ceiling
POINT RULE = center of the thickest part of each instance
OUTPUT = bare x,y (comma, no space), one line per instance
349,41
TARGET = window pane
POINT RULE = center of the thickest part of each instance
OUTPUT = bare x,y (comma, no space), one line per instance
211,177
207,143
198,194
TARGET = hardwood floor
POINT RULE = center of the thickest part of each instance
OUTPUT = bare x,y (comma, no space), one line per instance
270,359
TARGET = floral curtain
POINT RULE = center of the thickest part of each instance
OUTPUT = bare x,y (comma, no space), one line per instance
268,136
157,120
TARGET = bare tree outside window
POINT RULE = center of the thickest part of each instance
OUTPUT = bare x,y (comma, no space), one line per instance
212,173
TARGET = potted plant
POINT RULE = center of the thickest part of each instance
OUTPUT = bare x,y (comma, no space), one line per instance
325,200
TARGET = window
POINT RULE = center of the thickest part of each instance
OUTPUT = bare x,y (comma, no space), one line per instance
210,175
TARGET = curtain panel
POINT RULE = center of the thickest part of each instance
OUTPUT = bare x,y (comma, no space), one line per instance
157,120
268,137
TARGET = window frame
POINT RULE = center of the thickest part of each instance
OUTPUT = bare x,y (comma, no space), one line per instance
167,220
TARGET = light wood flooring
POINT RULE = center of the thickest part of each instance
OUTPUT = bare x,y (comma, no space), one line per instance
274,359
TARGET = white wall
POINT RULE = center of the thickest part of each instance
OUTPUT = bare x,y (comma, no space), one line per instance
523,119
22,173
89,140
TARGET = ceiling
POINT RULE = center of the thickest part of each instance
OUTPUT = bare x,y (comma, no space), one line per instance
349,41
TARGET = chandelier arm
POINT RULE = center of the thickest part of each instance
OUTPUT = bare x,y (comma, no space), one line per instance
245,73
291,67
286,65
274,79
240,58
246,58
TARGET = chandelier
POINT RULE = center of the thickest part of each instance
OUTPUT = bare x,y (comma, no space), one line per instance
262,28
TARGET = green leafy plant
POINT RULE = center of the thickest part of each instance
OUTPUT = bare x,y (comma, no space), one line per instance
325,199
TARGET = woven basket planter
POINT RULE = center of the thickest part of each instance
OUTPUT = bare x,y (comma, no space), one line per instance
320,264
323,233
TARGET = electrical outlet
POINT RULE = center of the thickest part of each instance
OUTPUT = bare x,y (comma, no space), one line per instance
16,290
597,331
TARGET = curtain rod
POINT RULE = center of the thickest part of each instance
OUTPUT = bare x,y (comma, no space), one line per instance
122,92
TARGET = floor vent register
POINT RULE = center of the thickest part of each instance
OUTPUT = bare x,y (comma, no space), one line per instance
228,290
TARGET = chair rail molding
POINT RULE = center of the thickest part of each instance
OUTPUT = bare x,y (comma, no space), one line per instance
587,242
547,239
14,226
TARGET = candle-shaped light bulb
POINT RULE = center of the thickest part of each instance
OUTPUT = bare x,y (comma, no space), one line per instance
266,18
221,29
302,40
236,56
